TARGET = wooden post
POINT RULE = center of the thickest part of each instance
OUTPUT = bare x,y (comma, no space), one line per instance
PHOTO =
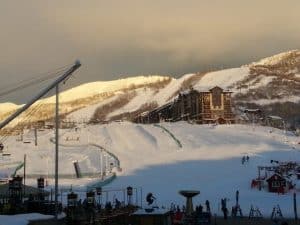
35,136
295,205
24,174
141,197
56,148
259,179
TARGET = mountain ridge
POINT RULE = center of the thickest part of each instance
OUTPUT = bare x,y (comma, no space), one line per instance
271,80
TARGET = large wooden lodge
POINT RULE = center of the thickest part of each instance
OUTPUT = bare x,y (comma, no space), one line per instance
209,106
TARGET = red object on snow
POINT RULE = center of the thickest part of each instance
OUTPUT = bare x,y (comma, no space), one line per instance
276,183
178,218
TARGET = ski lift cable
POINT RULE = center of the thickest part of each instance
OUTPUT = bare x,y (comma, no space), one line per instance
38,106
26,118
32,81
41,94
40,75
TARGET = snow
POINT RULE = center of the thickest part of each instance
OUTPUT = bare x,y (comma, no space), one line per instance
164,95
275,117
222,78
294,99
261,81
8,106
22,219
226,79
142,96
90,89
275,59
86,113
209,160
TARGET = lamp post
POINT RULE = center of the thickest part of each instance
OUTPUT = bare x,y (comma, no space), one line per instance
56,147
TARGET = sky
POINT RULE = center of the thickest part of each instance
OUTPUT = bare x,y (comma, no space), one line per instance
116,39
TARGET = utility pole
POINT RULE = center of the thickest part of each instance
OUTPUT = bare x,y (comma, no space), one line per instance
24,166
101,164
22,132
56,148
35,136
295,206
53,85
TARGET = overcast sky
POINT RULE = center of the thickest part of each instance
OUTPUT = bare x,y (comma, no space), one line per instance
115,39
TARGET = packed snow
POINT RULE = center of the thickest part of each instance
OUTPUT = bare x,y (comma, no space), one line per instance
209,160
24,219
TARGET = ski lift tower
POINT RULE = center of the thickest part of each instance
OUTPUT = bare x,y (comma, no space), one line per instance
54,84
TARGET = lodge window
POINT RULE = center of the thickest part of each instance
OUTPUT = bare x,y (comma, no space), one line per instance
216,98
275,184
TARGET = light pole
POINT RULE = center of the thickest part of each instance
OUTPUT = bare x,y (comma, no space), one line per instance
56,147
101,164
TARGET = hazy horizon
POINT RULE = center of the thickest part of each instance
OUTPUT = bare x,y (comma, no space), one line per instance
118,39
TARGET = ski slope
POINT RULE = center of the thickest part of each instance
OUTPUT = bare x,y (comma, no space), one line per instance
209,160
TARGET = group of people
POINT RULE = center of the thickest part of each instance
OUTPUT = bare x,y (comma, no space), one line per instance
178,212
199,208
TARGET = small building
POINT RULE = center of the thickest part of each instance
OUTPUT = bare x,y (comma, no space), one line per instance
277,183
275,121
254,115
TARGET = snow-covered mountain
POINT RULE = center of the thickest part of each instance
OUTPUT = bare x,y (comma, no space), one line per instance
272,84
168,157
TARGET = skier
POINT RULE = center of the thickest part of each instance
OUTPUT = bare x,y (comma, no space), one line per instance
243,160
247,158
207,206
200,209
237,193
224,208
150,198
118,204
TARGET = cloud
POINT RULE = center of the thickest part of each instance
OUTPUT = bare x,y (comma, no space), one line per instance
113,38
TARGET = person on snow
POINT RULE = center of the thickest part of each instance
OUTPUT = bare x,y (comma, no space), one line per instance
243,160
207,204
224,208
247,158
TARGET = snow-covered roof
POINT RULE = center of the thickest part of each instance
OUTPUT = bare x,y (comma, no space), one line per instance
275,117
151,211
252,110
275,175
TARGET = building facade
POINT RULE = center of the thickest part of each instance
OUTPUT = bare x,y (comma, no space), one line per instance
209,106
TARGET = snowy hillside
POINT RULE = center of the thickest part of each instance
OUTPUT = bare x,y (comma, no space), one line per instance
272,84
208,159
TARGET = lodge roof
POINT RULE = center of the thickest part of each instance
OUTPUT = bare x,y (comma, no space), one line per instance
275,176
